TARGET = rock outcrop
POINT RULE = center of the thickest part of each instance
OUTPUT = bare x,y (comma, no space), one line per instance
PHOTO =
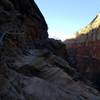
31,66
19,16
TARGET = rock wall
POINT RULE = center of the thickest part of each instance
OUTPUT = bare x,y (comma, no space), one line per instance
84,51
22,16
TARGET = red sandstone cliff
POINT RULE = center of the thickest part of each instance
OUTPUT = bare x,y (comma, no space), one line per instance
84,50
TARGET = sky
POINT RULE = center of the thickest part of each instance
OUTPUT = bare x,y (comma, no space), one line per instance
65,17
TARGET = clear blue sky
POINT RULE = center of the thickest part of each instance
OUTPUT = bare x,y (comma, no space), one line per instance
65,17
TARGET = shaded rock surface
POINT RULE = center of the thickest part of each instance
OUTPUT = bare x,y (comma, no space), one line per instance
31,66
40,76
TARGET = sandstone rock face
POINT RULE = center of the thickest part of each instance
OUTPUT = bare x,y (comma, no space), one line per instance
84,51
30,68
19,16
55,46
40,75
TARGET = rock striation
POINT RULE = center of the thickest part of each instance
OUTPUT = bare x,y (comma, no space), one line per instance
31,66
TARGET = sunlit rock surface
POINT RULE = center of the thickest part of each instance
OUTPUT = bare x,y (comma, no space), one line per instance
84,52
31,66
